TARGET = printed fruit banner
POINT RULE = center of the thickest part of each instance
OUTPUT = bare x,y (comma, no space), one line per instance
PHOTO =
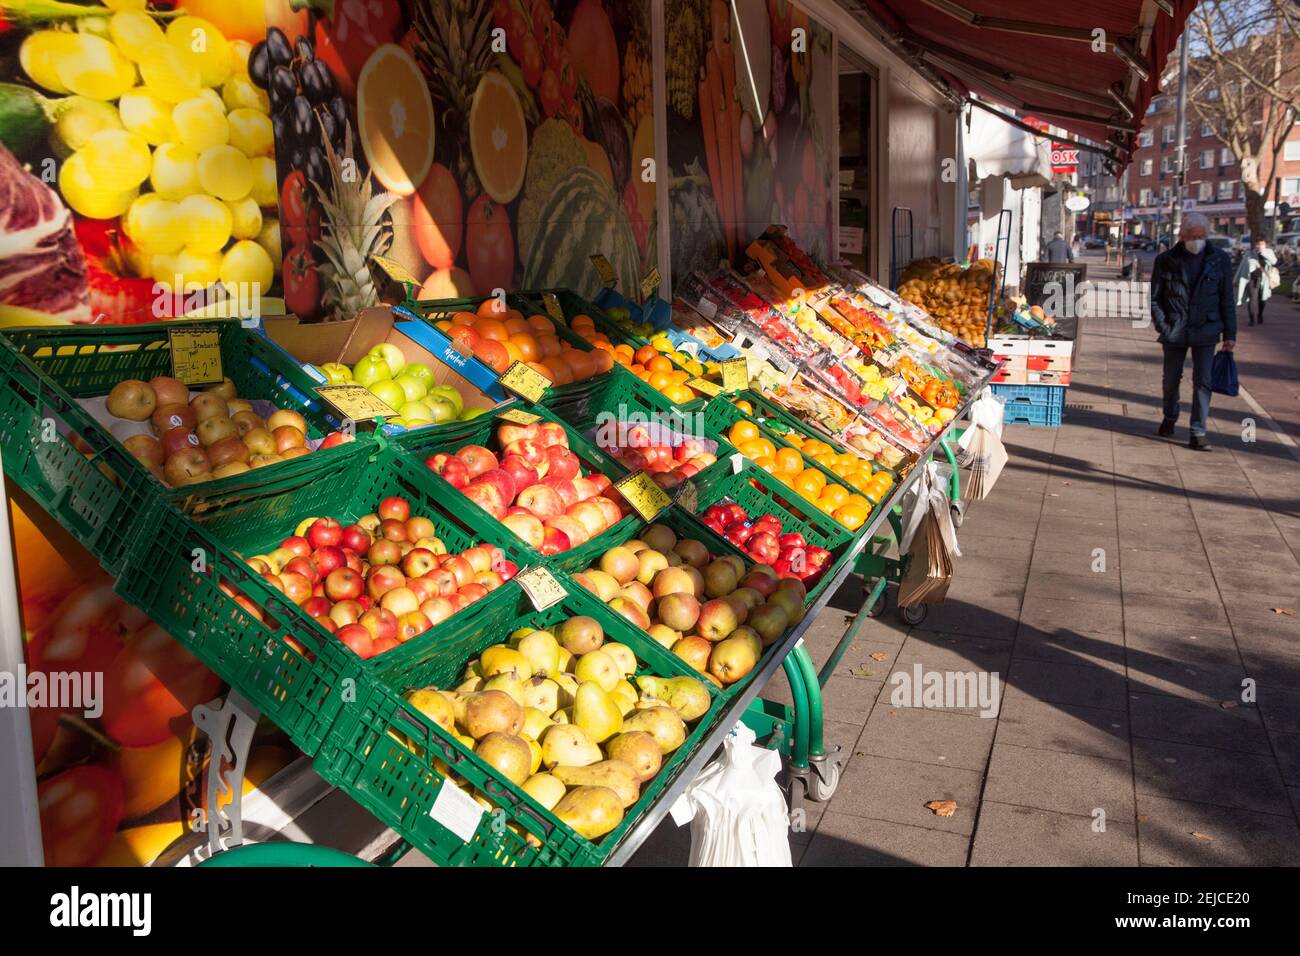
747,145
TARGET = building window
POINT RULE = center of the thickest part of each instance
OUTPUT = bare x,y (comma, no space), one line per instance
1165,194
1225,157
1144,196
1212,94
1225,189
1290,186
1207,158
1147,164
1206,128
1167,134
1204,191
1291,151
1166,164
1146,138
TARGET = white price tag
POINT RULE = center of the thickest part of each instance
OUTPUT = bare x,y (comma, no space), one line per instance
456,810
737,461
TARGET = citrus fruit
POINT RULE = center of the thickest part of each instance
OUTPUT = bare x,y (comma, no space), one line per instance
395,117
498,137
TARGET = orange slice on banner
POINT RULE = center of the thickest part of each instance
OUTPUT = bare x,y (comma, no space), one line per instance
498,138
395,117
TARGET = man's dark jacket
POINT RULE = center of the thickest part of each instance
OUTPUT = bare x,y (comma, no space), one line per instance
1201,315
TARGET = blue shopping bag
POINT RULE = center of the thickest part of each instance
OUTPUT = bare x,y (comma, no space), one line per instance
1223,374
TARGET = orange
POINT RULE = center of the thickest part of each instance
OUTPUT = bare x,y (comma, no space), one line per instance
445,325
852,516
395,120
809,483
745,407
492,308
581,364
660,380
679,377
513,351
860,481
562,374
463,318
645,353
752,448
498,137
493,353
679,394
582,320
789,461
834,495
549,346
541,325
659,363
604,361
623,349
517,325
742,431
767,463
543,369
491,329
860,501
527,346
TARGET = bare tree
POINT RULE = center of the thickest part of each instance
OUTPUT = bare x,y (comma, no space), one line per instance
1244,81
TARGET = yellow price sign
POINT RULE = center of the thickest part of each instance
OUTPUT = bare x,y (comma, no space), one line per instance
518,416
688,497
650,284
355,402
395,270
646,498
196,355
528,383
735,375
553,308
705,386
542,587
604,269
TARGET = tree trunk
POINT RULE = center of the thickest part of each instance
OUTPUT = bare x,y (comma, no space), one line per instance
1255,212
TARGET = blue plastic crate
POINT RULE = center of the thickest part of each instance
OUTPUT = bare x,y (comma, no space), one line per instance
1032,404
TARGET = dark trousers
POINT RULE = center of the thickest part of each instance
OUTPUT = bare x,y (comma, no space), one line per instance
1202,362
1254,303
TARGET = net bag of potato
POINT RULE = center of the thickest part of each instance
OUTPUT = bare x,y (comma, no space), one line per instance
736,809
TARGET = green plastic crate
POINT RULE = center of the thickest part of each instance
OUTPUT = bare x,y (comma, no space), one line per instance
418,447
399,785
623,395
179,562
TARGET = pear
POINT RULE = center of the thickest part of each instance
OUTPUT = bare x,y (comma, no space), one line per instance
457,701
563,716
568,687
599,667
502,659
615,774
624,659
492,711
472,669
638,750
510,755
433,705
510,684
590,811
542,650
596,713
535,754
565,661
519,634
568,745
535,722
469,685
661,723
543,694
545,789
686,695
625,697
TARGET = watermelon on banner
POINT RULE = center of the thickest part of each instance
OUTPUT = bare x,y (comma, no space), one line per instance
582,217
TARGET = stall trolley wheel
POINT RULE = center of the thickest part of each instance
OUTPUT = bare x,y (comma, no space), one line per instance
825,776
913,615
958,509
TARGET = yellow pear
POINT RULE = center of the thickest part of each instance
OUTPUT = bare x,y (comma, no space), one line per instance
591,811
686,695
502,659
542,693
545,789
535,749
565,661
492,711
661,723
568,745
535,722
599,667
457,701
568,685
510,755
596,713
639,751
563,716
433,705
615,774
469,685
624,696
624,659
542,650
509,683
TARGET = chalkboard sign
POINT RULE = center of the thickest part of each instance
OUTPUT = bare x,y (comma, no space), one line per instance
1056,286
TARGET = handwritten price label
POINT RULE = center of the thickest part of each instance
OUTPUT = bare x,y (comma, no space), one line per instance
518,416
604,270
395,270
735,375
528,383
650,284
355,402
541,587
553,308
688,497
646,498
705,386
196,355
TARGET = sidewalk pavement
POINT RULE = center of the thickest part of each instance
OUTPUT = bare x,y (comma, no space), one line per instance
1124,735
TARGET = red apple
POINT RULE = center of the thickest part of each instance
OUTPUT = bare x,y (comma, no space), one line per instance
612,512
383,646
317,606
562,462
420,527
529,528
356,538
400,601
552,433
472,592
542,500
533,452
591,515
346,612
419,562
508,432
167,417
383,579
298,545
792,539
520,472
412,624
358,638
437,610
482,557
384,552
328,558
304,566
451,468
379,622
571,527
397,509
325,532
488,580
424,588
333,439
391,529
504,483
554,541
461,569
179,439
296,587
444,581
568,489
764,547
343,584
506,570
477,460
688,449
488,497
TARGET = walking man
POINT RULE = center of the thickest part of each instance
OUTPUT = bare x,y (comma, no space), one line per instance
1058,250
1192,307
1256,276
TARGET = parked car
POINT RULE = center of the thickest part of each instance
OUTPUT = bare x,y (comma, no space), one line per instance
1094,242
1287,247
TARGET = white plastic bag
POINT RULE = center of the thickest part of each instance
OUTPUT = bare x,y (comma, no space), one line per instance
986,412
928,493
736,809
980,447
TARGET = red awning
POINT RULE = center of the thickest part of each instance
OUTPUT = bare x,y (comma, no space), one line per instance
1040,58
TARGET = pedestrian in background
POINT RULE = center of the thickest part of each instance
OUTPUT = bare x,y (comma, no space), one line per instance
1058,250
1112,246
1256,278
1192,307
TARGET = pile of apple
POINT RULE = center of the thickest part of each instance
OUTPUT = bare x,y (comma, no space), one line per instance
381,581
669,464
215,434
406,387
534,486
560,714
709,611
764,540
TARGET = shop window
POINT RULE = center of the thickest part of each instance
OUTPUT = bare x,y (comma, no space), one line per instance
857,243
1144,196
1291,186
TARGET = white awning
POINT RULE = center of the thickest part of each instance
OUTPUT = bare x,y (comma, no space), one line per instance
995,148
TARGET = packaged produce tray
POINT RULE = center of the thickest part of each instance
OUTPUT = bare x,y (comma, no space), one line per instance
189,573
402,785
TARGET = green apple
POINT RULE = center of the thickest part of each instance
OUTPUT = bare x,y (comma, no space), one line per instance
371,369
442,411
421,371
469,413
389,392
390,354
335,373
417,411
448,393
414,388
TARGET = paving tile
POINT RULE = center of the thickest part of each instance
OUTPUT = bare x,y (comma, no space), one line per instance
849,699
1097,684
1205,723
954,652
1204,664
1180,582
1280,709
1256,579
1067,647
1208,775
1093,587
858,656
928,736
1023,836
1063,782
1153,558
1050,615
1287,748
1175,832
883,788
995,620
1027,722
1001,591
846,840
1176,610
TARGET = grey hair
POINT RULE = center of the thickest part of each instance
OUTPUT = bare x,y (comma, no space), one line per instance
1195,220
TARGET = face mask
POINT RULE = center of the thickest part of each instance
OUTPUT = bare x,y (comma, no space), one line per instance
1194,246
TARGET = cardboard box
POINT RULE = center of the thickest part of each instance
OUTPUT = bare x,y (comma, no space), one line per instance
1012,361
1009,344
1010,376
1045,363
1053,348
318,343
1047,378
